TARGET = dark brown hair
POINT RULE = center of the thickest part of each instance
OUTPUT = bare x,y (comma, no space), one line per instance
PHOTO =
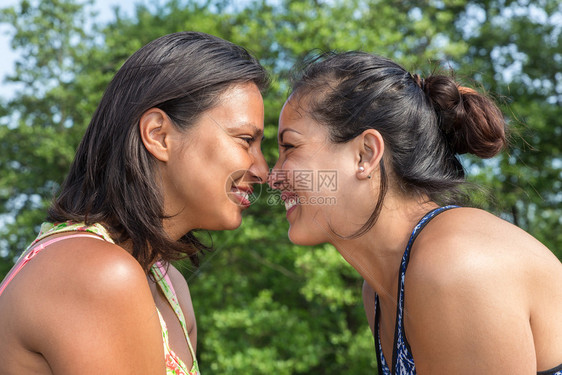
425,123
113,178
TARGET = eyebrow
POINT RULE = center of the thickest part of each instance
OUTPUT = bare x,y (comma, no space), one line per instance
286,130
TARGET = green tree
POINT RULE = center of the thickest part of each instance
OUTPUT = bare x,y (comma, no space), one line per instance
42,122
264,305
515,51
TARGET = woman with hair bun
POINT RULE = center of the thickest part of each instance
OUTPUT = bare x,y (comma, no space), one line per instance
448,289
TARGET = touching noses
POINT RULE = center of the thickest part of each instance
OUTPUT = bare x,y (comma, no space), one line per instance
260,168
275,178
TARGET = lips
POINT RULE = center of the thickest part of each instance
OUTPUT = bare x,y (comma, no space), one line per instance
290,200
242,195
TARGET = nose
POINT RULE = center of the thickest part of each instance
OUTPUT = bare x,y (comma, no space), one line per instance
275,179
260,168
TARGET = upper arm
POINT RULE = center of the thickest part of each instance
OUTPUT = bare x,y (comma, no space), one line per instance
465,313
184,298
97,314
369,304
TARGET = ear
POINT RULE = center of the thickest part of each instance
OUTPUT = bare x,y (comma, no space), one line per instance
154,128
370,152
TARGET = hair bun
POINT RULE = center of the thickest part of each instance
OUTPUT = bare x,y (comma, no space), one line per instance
419,81
466,90
471,121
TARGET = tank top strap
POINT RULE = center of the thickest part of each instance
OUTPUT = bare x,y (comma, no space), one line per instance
163,279
417,230
48,229
32,251
402,355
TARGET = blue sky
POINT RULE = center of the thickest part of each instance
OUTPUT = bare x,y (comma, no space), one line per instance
8,57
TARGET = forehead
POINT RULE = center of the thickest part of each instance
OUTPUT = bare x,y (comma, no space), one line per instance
241,90
241,97
241,105
295,116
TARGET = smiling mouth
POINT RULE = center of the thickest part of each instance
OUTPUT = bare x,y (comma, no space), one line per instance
290,200
239,190
290,203
242,196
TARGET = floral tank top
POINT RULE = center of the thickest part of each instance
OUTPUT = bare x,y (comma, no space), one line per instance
174,365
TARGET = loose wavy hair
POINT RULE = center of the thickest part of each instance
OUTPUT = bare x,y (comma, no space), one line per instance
113,178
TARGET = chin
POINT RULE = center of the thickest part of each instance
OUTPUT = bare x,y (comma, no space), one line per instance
232,223
231,226
304,238
224,223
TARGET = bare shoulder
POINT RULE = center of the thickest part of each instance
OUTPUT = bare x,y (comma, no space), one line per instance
470,242
94,297
97,268
473,251
84,272
468,283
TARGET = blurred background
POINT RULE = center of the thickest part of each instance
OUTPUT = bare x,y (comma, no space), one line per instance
264,305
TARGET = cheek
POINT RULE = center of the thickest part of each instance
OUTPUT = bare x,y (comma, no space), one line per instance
228,155
298,163
238,160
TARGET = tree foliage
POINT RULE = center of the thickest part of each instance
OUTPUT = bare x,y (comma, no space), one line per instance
515,51
43,121
264,305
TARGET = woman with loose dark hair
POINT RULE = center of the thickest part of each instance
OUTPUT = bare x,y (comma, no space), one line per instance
480,295
174,146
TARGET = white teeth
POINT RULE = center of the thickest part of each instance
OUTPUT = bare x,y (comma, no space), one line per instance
243,194
289,203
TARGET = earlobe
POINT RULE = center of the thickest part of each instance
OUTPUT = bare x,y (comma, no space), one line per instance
371,150
154,127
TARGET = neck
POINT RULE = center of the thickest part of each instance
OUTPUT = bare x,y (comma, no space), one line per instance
377,254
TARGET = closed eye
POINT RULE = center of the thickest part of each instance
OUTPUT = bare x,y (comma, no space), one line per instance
286,146
248,140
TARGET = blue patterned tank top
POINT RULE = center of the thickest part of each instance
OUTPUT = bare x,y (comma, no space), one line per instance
402,358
